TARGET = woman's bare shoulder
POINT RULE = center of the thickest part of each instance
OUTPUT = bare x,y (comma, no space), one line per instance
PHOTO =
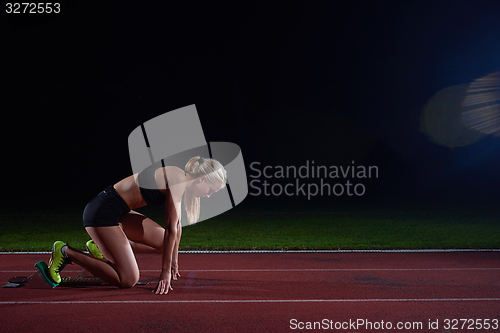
176,181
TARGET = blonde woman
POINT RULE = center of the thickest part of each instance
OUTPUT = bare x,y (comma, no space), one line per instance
117,231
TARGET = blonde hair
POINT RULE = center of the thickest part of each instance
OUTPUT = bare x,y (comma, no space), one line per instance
214,171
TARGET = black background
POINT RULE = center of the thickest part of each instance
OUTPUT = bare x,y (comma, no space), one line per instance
288,82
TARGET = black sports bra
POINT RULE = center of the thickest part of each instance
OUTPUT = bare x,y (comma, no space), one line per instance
147,185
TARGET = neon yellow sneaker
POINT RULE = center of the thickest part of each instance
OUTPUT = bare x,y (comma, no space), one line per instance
57,261
94,250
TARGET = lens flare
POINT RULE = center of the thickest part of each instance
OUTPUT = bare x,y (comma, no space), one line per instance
442,119
481,107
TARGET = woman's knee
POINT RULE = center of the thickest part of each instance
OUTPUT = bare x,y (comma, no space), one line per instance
129,280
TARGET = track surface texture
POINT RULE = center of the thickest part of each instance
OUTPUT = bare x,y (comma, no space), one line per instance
270,292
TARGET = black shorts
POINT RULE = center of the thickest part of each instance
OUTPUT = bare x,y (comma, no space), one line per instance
105,210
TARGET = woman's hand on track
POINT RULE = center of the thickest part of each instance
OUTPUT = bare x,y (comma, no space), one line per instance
175,272
163,286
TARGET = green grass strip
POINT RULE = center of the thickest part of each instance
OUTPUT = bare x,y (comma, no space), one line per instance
345,231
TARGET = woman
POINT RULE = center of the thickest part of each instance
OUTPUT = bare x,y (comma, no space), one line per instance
117,231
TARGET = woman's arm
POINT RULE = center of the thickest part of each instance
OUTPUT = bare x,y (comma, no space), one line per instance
175,255
170,237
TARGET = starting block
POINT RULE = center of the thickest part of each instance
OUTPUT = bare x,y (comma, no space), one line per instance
16,281
41,279
81,281
42,274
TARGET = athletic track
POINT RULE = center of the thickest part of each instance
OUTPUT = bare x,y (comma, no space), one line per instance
263,292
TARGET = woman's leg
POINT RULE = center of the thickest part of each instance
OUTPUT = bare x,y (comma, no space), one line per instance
120,267
144,234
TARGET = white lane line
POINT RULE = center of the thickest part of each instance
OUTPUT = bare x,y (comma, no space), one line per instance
304,270
373,300
338,269
308,251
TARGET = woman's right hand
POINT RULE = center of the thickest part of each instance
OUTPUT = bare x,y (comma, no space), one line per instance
163,286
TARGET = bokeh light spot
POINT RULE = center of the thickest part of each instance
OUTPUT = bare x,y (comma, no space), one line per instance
481,107
442,119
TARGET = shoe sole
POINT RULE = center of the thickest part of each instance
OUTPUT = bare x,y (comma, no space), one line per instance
43,269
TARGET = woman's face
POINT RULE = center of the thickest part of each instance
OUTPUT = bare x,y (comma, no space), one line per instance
204,188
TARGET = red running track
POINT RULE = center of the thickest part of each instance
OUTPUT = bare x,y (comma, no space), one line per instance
271,292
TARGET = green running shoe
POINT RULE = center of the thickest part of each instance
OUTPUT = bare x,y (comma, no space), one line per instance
57,261
94,250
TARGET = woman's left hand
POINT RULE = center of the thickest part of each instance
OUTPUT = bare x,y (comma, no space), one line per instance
175,271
